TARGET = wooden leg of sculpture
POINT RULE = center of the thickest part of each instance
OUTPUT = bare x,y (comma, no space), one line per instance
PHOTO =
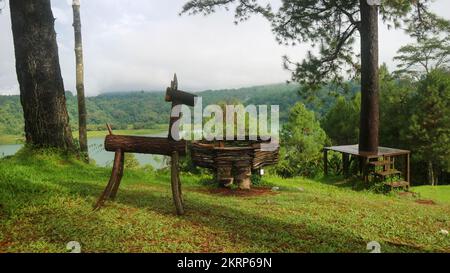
119,177
112,181
176,188
179,188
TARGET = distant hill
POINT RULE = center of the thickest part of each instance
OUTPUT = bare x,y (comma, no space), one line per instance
137,110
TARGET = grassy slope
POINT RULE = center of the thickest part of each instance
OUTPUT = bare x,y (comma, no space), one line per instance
46,201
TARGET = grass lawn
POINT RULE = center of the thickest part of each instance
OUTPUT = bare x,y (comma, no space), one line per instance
46,201
439,194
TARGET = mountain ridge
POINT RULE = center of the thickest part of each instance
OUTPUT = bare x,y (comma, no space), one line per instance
146,109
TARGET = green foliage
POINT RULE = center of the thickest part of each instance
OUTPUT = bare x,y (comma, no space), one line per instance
131,162
414,116
395,105
430,121
256,179
341,123
302,141
11,117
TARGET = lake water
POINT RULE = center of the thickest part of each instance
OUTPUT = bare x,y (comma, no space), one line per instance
97,152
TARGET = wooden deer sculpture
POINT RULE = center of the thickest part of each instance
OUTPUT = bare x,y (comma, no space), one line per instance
167,146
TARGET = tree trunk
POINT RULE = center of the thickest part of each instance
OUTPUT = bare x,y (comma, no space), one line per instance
39,75
369,120
431,177
82,115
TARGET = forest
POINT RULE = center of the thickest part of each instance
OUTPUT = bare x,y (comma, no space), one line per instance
139,109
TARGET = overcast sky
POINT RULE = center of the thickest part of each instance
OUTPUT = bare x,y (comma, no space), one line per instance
139,44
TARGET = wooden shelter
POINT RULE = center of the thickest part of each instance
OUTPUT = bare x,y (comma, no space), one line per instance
381,164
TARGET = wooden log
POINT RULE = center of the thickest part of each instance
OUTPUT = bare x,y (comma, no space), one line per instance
144,145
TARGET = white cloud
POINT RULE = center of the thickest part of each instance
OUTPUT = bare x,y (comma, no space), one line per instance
139,44
9,90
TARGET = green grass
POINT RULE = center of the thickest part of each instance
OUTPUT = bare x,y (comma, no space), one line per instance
11,139
15,139
46,201
440,194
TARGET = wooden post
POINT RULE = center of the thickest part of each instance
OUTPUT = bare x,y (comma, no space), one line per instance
408,169
176,185
114,180
115,188
365,168
325,162
173,120
345,164
360,165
